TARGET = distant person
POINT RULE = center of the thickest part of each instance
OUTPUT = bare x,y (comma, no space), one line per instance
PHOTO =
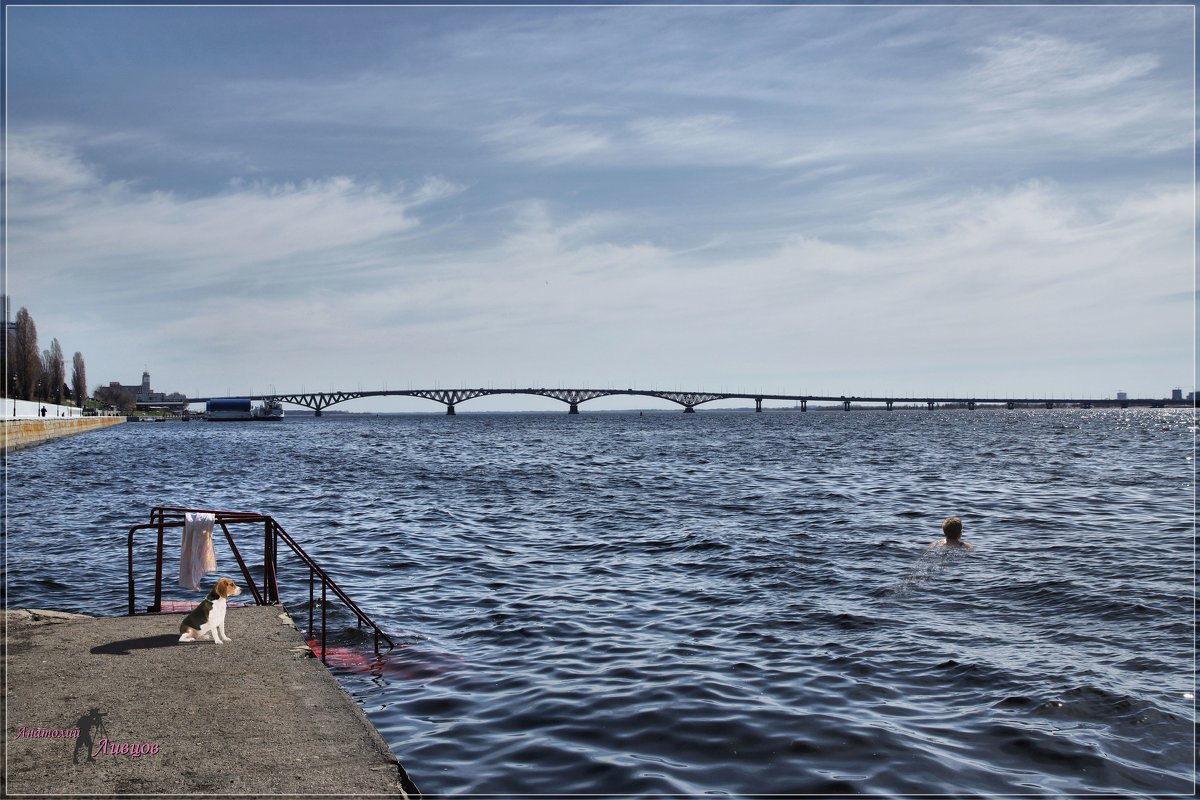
952,528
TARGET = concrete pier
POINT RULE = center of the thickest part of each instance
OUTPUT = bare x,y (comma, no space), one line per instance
19,433
256,716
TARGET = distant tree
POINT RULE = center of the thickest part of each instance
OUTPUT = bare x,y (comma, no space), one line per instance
43,390
54,373
121,399
126,402
79,379
24,362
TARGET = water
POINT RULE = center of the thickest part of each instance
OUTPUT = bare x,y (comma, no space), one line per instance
712,603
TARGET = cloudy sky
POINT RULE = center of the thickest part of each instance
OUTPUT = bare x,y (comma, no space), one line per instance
818,200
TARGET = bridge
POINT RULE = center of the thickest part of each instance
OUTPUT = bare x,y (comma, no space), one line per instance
319,401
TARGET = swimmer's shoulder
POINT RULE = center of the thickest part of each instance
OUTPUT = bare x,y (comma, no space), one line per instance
942,544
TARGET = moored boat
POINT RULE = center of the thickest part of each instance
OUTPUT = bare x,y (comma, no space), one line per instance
242,409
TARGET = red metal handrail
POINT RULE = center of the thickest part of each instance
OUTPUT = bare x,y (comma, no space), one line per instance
163,517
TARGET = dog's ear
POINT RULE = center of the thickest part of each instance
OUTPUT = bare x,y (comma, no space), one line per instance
224,587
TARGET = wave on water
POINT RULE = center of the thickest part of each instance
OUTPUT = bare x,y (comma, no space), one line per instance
723,603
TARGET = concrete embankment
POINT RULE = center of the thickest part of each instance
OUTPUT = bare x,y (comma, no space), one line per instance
116,705
19,433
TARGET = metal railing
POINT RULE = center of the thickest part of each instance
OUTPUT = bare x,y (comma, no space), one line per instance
164,517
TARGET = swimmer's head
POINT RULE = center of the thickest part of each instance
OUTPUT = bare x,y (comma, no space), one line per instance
952,528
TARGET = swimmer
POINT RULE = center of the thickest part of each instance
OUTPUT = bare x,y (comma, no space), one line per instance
952,528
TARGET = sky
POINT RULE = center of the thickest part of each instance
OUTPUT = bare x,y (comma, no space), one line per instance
856,200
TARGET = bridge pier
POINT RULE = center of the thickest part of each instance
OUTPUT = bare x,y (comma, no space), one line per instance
931,404
574,408
804,405
689,410
1124,404
889,404
845,405
1049,404
970,405
450,409
317,412
758,404
1011,405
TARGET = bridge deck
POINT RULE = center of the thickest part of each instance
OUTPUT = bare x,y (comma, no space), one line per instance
689,400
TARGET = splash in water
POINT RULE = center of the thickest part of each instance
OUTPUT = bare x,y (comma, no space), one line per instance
930,563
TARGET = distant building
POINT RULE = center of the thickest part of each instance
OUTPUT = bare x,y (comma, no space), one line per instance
1177,394
1122,396
144,394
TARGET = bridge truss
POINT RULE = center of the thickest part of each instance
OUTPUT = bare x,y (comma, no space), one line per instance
319,401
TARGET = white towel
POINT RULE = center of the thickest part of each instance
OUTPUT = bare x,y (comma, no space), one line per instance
197,557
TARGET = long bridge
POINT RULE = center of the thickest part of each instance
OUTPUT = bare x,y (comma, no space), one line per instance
319,401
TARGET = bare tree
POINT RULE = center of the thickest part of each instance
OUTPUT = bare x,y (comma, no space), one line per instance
43,383
23,359
79,379
121,399
54,373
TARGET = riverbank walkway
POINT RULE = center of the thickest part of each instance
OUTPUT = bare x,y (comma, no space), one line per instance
257,716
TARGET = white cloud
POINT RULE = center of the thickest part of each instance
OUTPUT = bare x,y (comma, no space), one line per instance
1052,95
46,166
1026,270
781,89
64,220
533,139
1023,66
1020,271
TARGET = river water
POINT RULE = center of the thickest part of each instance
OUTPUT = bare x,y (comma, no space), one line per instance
720,602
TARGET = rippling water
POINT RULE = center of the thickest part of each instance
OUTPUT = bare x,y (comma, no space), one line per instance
720,602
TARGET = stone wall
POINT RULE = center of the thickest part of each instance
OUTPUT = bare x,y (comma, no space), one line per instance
19,433
21,409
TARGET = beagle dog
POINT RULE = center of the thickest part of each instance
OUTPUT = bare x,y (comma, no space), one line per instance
209,616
